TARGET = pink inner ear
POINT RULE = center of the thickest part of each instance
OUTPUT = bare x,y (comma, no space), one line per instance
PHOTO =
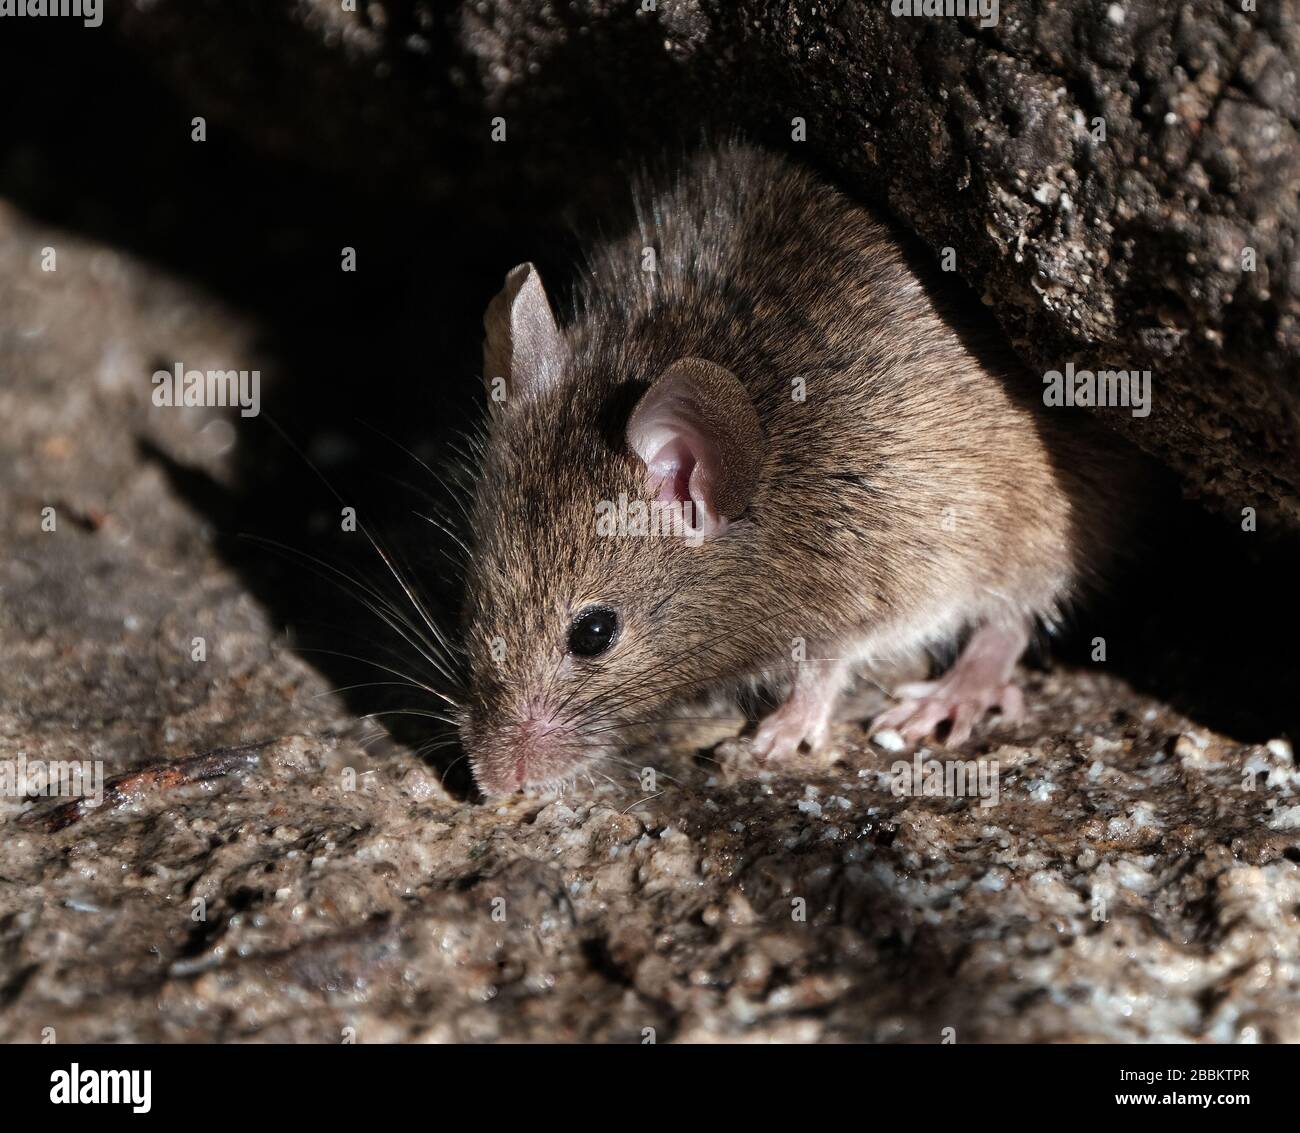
671,470
701,442
677,476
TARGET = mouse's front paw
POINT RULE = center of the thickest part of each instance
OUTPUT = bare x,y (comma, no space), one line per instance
805,717
781,732
925,705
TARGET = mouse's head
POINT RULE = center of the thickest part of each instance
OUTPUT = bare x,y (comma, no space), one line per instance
608,508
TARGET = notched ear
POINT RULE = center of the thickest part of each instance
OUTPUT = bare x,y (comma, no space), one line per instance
522,349
698,434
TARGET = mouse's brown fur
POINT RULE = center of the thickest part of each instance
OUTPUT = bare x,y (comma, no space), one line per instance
912,493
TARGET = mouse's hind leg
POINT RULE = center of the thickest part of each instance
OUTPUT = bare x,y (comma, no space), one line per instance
978,682
805,716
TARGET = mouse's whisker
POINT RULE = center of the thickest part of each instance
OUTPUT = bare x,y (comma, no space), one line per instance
621,704
406,677
389,647
446,771
732,639
366,684
457,498
373,600
408,588
661,722
707,646
432,654
418,712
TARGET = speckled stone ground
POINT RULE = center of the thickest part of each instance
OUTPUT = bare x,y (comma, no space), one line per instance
1136,879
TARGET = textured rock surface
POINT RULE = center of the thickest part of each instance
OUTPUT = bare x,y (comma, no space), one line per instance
1124,252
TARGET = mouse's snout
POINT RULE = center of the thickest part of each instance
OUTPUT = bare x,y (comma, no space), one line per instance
530,749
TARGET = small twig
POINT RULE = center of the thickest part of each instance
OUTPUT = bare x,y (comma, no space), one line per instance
133,785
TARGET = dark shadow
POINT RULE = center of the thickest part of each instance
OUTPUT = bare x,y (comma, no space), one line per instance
1204,621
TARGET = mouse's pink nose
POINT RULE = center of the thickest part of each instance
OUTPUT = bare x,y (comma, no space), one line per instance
534,749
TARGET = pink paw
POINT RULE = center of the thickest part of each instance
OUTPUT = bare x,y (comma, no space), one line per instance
782,731
924,705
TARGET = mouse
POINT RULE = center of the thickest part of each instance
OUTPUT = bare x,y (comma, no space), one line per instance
758,448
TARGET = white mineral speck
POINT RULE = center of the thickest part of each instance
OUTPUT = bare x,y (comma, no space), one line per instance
1143,815
1132,876
995,880
889,739
1285,818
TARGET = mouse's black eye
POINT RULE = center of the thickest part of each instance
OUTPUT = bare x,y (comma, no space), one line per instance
593,631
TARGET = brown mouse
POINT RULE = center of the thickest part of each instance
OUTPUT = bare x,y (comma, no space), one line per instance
854,483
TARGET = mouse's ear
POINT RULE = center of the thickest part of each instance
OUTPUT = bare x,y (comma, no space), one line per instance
698,434
522,350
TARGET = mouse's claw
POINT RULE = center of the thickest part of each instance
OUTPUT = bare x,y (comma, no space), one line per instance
783,731
976,685
928,704
805,717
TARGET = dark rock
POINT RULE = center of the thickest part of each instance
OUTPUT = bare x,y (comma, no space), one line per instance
1119,253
